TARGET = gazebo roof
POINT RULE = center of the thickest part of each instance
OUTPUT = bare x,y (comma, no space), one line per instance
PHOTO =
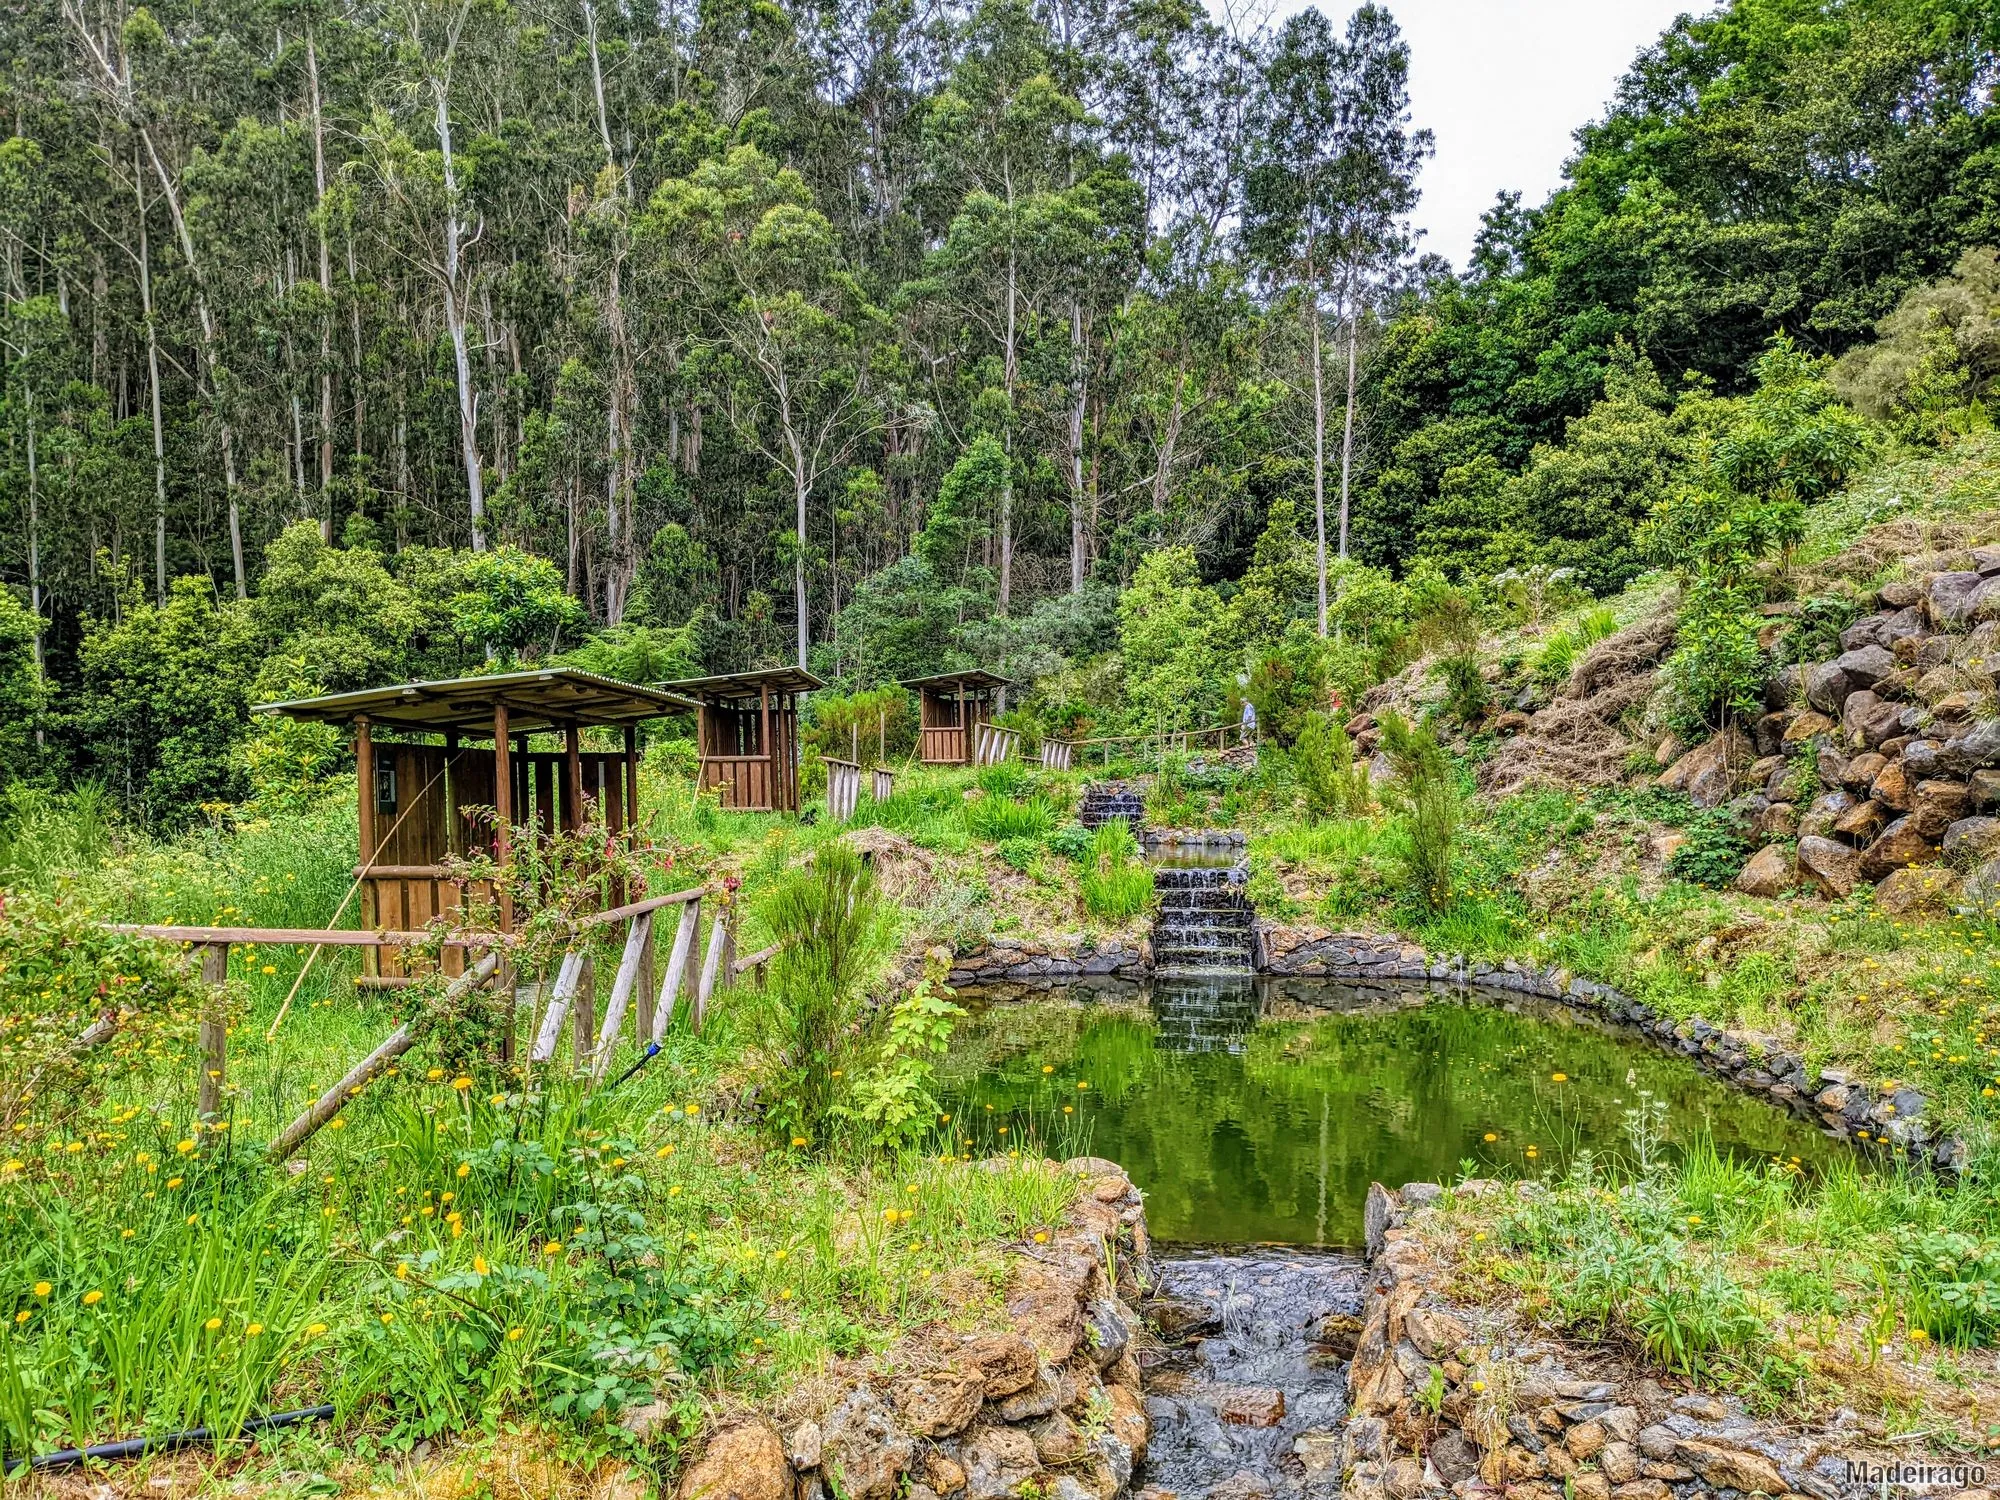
727,687
548,698
971,677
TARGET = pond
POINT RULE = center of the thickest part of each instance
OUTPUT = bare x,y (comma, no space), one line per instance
1258,1110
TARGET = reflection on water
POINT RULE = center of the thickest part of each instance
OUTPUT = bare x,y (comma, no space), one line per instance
1259,1110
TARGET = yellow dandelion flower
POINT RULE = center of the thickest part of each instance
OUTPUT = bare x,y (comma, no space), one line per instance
1041,1236
42,1289
314,1330
514,1335
553,1247
212,1324
92,1297
479,1265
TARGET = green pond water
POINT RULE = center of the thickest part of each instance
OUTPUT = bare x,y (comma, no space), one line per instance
1260,1110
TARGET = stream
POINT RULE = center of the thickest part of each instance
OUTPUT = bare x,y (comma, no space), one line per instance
1254,1112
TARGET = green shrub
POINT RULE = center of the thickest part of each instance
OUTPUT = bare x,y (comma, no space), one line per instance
1115,884
994,818
1427,789
1071,841
1334,784
1714,851
1019,854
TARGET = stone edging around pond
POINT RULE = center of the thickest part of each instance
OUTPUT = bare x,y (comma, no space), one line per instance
1837,1100
1052,1400
1060,958
1449,1398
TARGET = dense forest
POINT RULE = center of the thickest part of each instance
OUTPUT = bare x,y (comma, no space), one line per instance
349,342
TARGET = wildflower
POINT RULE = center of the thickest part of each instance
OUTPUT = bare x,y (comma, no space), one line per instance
183,1147
1048,1068
664,1151
785,1295
1041,1237
388,1318
212,1324
1478,1386
695,1109
674,1191
1480,1235
1492,1136
1083,1083
126,1234
403,1270
270,968
174,1182
497,1100
514,1335
1918,1335
23,1315
194,1219
797,1140
435,1074
314,1330
1069,1109
42,1289
553,1247
253,1330
13,1164
461,1083
479,1265
1559,1078
464,1170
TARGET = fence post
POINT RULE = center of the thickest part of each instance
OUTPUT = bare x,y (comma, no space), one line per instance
677,962
711,963
213,1039
584,1032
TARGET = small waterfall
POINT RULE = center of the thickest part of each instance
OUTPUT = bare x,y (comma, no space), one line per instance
1203,926
1109,801
1204,1012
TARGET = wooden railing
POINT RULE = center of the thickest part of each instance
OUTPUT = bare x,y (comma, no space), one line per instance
1219,736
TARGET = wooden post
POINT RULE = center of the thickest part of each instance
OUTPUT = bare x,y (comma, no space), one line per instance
584,1029
564,991
677,963
764,744
503,809
328,1104
364,768
711,965
213,1039
632,785
642,1012
964,729
450,793
572,818
621,994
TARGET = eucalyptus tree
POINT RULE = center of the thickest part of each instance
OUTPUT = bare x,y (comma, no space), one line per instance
1330,181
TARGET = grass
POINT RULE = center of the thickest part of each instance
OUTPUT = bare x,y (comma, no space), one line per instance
1114,883
467,1246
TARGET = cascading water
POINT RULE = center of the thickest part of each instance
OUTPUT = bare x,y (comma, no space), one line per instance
1111,802
1204,921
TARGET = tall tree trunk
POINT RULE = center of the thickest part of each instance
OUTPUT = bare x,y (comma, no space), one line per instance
34,537
1077,540
1347,435
326,294
354,320
153,372
1008,368
455,313
1319,447
799,487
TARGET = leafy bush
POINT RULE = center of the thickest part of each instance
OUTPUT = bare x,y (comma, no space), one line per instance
893,1096
995,818
1018,853
1071,841
1714,851
1814,632
1952,1283
1333,783
1427,789
1115,884
1717,671
860,725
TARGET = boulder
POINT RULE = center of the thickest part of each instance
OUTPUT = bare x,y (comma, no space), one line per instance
1057,1440
1971,841
1866,720
1829,763
1891,786
1984,603
1984,788
1251,1405
745,1461
1901,843
1866,665
1707,773
864,1452
1732,1468
1825,811
1861,823
1920,758
1435,1332
1826,687
1806,726
1043,1396
997,1461
1862,770
1768,873
1833,868
1941,801
1965,753
1007,1360
1769,732
1908,891
1900,593
938,1403
1778,820
1454,1457
1950,597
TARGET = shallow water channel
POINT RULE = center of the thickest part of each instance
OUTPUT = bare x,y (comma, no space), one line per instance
1254,1112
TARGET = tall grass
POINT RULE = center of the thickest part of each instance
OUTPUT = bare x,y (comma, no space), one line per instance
994,818
1115,884
44,835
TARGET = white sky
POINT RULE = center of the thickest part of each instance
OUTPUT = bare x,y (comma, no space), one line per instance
1503,84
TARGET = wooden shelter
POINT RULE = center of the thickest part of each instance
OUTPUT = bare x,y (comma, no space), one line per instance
426,794
748,735
950,709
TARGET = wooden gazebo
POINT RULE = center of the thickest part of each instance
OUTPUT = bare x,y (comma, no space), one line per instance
950,708
747,735
423,795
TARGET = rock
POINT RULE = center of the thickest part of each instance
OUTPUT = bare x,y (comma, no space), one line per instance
1861,823
746,1461
1891,786
1404,1479
1982,886
1589,1485
1825,811
1707,772
1251,1405
1862,770
1621,1423
997,1461
1040,1398
1950,599
1620,1462
942,1472
1978,746
1901,843
1970,841
1832,867
1177,1317
1867,720
1984,788
940,1402
1939,804
1900,593
1376,1211
1243,1485
1866,665
1128,1418
1585,1440
803,1447
1768,873
865,1453
1902,892
1657,1442
1057,1440
1827,687
1521,1464
1453,1456
1642,1489
1104,1331
1008,1361
1833,1097
1807,726
1436,1333
1779,820
1731,1468
1920,758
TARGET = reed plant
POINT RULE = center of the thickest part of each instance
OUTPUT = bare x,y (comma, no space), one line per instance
1114,884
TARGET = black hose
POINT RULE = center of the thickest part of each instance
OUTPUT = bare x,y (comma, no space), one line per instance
652,1051
166,1443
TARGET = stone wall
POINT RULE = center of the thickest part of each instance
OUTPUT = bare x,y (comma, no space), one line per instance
1884,1115
1050,1402
1051,960
1445,1398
